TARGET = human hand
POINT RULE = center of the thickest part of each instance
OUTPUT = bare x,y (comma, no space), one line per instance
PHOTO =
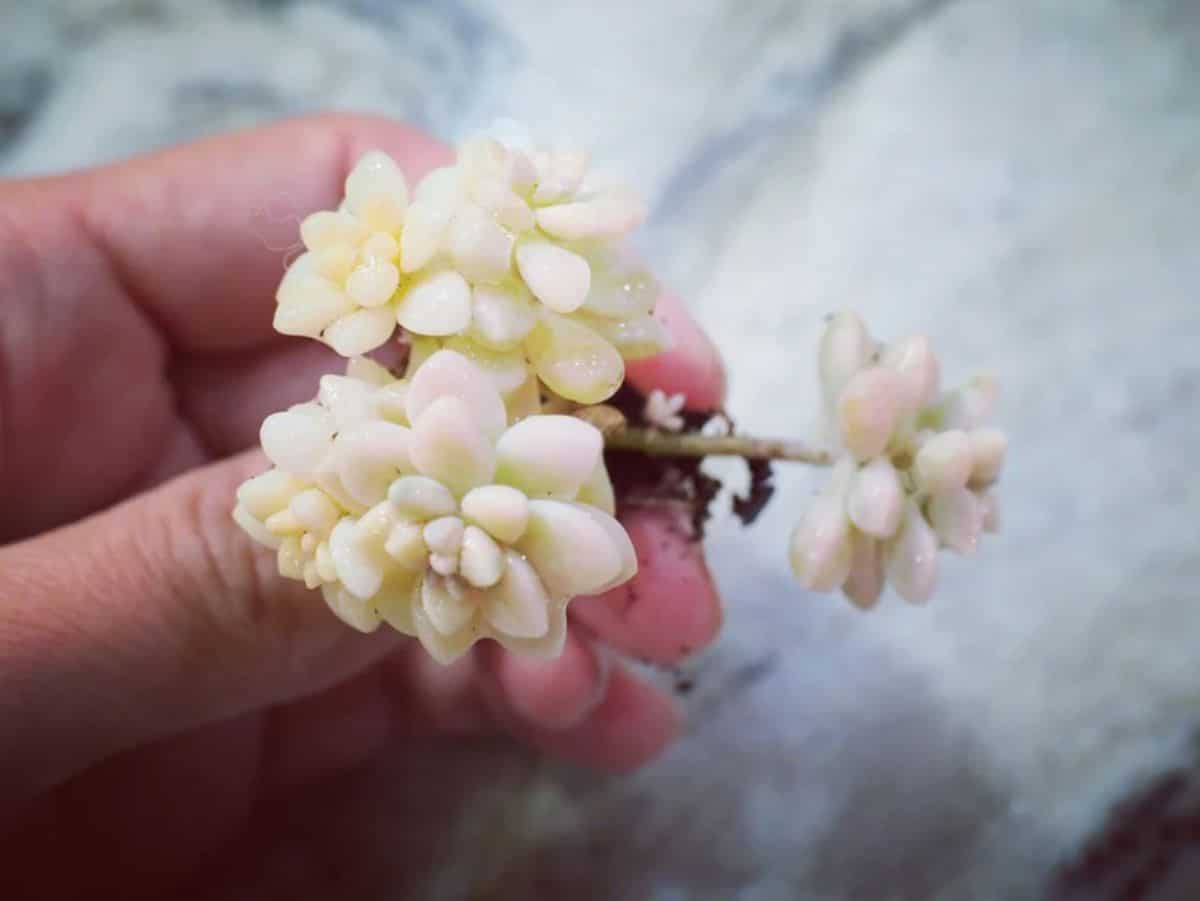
158,681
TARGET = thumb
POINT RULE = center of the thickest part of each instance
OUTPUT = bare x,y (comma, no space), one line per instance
150,618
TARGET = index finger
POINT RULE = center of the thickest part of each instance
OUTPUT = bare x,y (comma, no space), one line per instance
199,234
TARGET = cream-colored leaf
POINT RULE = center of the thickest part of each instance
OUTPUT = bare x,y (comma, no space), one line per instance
329,228
517,605
572,553
315,511
621,287
481,562
424,226
548,456
574,361
421,498
373,283
308,304
254,527
360,564
354,612
396,598
447,374
598,492
637,338
447,445
501,511
361,331
501,316
375,176
621,541
444,535
297,439
371,456
444,649
525,400
268,493
507,369
448,602
406,545
364,369
558,277
349,400
436,303
545,647
480,248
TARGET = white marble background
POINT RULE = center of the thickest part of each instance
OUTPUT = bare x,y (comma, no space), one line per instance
1019,179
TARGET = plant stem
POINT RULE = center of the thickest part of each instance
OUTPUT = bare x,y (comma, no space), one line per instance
658,443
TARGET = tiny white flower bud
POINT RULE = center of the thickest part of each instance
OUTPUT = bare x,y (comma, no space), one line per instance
876,499
867,411
663,411
819,550
943,464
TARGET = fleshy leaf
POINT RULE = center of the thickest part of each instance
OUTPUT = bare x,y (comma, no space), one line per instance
448,446
548,456
572,553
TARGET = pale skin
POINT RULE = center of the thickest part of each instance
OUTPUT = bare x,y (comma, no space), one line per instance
147,648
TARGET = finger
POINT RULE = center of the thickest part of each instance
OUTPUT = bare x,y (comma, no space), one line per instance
633,723
671,608
263,382
546,695
692,366
152,618
199,235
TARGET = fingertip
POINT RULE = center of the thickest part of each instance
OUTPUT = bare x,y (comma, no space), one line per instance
691,366
634,724
548,694
672,607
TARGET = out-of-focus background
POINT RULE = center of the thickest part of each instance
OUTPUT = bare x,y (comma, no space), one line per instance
1019,179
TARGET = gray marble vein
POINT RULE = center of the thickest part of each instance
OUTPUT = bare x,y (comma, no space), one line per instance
1021,181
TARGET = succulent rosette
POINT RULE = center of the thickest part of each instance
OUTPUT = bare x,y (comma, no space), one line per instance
418,503
512,251
913,472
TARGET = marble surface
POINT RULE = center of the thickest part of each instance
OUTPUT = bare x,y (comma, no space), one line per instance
1020,180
